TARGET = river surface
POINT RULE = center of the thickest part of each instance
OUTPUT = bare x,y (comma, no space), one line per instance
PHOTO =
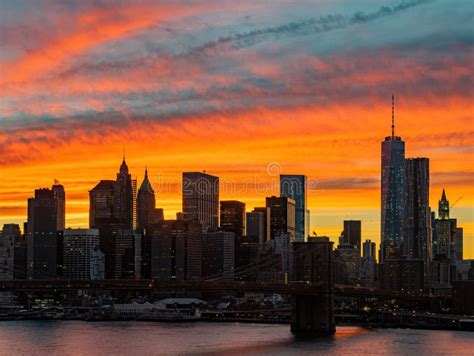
152,338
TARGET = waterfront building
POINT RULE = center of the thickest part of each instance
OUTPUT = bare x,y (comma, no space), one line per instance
123,255
350,255
233,217
402,275
201,199
295,186
393,188
82,256
176,250
10,234
246,259
42,233
282,216
218,253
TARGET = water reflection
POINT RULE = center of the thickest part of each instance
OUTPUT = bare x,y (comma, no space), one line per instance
125,338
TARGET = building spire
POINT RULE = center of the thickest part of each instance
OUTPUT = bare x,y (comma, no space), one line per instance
146,172
123,153
393,116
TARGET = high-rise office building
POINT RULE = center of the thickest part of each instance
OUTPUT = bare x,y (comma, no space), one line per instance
265,210
218,253
368,249
458,243
102,203
10,234
146,211
176,250
201,199
60,199
368,264
123,253
393,188
417,225
81,254
255,226
42,235
233,217
352,233
282,216
295,186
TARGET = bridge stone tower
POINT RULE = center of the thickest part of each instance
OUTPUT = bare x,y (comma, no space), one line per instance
312,262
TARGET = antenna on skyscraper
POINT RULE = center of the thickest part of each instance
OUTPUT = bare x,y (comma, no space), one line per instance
393,116
123,147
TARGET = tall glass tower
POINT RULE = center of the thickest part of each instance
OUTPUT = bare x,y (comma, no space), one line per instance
393,189
294,186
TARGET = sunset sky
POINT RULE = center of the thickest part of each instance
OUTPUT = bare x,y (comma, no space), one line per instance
241,89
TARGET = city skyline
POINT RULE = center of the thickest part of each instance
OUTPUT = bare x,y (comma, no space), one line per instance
286,84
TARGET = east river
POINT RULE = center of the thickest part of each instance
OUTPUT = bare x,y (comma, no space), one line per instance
153,338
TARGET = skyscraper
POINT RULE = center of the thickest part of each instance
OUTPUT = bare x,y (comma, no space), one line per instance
146,213
60,198
352,233
265,210
176,250
233,217
42,239
417,219
102,203
393,188
124,197
201,199
294,186
256,227
443,227
282,216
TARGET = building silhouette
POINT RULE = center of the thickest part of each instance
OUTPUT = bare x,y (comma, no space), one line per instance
351,235
42,232
218,255
10,234
124,197
393,188
176,250
233,217
295,187
146,210
443,227
256,226
417,221
265,211
282,216
201,199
